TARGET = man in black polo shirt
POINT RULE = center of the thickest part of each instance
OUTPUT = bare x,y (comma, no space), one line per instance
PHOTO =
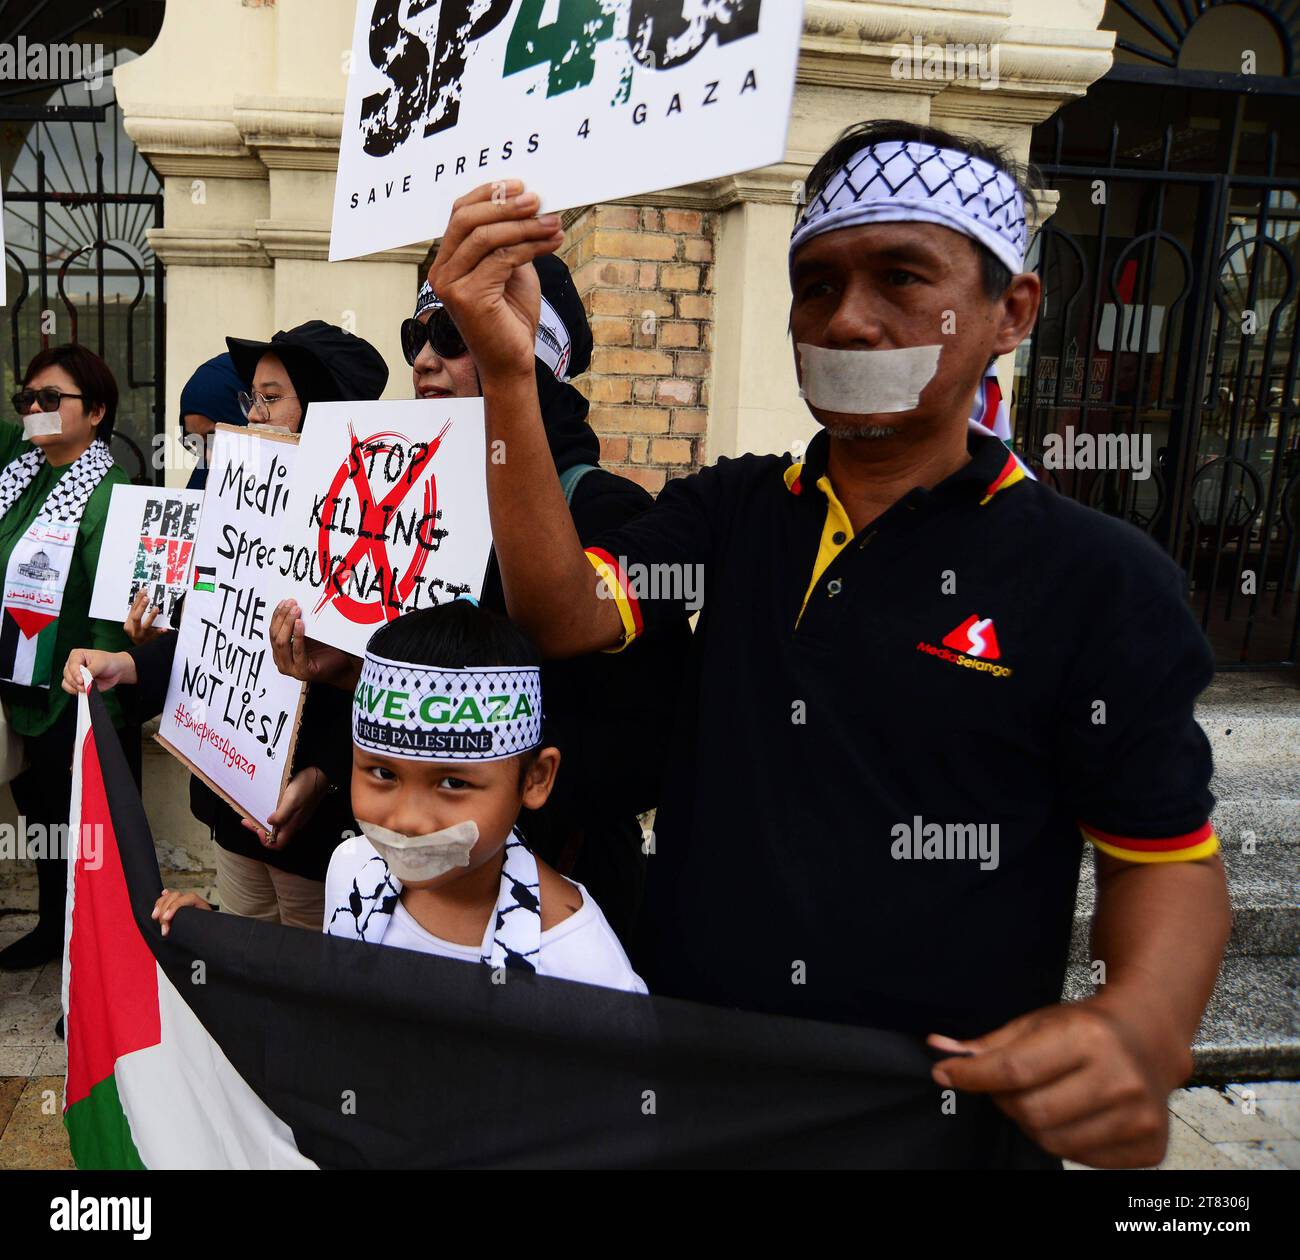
919,677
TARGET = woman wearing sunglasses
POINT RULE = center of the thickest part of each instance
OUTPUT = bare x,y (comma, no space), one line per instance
56,480
610,715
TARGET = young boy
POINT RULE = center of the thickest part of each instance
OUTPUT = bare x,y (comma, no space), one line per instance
447,748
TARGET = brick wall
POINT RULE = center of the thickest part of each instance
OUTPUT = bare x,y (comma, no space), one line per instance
646,279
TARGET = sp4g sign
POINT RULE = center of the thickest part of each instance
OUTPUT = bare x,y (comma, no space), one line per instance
584,100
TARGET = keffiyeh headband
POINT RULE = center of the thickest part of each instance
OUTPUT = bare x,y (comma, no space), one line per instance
426,300
423,713
553,344
906,181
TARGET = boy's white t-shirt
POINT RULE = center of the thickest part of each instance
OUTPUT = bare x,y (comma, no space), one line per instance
583,947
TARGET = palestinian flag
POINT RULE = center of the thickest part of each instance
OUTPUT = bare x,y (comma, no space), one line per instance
205,577
27,645
147,1087
237,1044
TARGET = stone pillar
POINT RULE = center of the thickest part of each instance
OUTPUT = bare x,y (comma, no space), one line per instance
248,157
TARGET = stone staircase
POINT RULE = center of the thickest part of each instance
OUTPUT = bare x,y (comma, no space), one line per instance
1251,1030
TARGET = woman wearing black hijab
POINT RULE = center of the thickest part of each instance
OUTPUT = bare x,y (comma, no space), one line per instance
276,876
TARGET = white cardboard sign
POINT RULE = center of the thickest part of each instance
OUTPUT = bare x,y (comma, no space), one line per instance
230,715
387,514
584,100
148,541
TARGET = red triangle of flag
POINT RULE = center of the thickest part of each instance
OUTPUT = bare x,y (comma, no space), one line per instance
31,622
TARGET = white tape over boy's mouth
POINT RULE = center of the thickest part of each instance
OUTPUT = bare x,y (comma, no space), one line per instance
43,424
414,859
867,382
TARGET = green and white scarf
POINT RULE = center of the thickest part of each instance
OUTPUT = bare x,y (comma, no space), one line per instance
41,561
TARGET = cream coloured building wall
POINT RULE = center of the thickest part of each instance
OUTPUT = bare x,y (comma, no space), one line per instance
248,151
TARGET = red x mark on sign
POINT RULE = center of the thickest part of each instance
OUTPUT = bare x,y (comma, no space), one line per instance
371,539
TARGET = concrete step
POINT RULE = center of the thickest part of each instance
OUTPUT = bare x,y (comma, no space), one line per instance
1251,1029
1265,890
1269,818
1252,719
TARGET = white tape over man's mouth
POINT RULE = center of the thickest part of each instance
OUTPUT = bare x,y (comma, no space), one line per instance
866,382
414,859
42,424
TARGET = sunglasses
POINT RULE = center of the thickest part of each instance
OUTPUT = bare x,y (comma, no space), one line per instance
49,398
440,334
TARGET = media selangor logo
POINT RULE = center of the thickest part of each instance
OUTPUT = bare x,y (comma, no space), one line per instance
52,63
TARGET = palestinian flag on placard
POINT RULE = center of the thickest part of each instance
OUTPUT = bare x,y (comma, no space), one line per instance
237,1044
27,641
205,577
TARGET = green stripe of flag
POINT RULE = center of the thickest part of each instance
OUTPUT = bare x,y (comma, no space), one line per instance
98,1132
43,665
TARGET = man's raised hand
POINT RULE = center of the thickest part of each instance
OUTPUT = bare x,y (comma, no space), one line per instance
483,273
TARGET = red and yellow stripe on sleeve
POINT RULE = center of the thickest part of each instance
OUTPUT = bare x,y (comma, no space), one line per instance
629,610
1191,847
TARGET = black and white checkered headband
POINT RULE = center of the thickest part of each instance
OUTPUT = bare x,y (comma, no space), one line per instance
423,713
553,343
905,181
426,300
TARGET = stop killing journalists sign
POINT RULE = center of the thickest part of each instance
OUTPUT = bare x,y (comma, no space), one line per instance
387,514
230,715
583,100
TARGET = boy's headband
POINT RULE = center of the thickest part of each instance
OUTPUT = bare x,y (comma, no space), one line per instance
422,713
905,181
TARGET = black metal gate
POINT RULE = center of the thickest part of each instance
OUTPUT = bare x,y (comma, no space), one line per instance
79,201
1170,282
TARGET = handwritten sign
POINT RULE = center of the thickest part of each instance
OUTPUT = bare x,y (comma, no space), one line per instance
584,100
387,514
230,715
148,542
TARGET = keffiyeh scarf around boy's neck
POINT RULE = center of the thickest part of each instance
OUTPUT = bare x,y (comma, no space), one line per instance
41,560
373,891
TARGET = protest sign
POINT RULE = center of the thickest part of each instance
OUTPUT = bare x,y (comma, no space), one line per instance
584,100
387,514
230,715
148,542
